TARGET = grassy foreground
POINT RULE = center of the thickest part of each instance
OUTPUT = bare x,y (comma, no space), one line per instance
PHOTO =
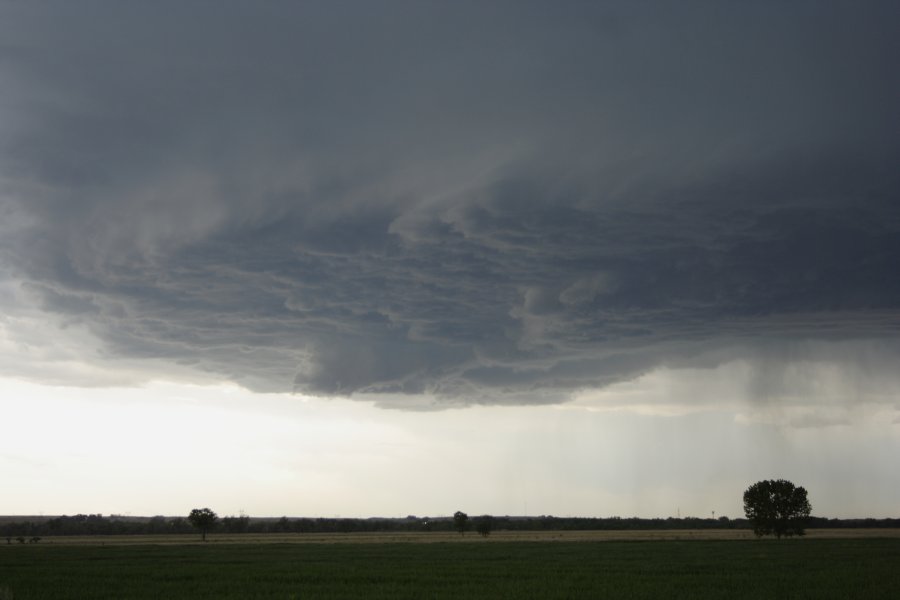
807,568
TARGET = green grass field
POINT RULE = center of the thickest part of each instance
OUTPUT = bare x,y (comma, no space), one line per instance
805,568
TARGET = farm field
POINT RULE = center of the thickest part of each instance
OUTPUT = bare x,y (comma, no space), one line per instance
492,568
399,537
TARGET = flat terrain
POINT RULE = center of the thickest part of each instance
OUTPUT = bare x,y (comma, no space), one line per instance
452,537
526,567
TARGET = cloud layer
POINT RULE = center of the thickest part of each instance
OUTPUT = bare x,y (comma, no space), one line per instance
504,204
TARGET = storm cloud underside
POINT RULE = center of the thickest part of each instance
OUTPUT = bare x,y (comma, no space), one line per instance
500,204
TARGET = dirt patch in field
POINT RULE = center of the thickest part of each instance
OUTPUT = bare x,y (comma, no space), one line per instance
448,537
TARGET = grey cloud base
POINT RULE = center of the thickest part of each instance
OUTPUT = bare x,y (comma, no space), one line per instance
347,216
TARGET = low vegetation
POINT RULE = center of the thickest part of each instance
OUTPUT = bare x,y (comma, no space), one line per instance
808,568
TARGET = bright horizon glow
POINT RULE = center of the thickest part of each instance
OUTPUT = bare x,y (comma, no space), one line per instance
179,446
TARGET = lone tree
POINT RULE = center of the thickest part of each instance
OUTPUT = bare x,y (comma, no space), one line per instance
776,506
484,525
203,519
461,521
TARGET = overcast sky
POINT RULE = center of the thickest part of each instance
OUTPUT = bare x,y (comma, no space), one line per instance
382,258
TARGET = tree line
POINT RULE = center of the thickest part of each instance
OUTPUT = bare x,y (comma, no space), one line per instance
771,507
95,524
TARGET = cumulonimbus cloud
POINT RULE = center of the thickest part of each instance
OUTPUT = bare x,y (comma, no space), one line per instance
563,201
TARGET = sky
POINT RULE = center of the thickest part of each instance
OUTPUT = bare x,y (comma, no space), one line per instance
411,257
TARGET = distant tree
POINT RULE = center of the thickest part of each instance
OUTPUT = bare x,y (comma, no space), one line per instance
484,525
157,524
236,524
460,521
203,519
776,506
179,525
282,525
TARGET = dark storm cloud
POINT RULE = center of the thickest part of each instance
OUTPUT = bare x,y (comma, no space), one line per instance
502,203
